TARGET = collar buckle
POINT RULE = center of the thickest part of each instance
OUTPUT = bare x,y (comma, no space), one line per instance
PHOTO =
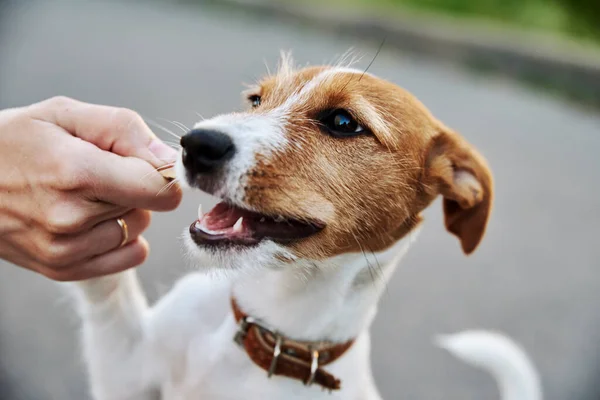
244,326
298,360
240,336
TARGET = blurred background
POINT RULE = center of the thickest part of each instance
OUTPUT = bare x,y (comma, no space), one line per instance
532,112
573,18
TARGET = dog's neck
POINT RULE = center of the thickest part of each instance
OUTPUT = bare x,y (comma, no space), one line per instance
330,300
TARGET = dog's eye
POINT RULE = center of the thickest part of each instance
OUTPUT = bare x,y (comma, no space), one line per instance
254,100
341,123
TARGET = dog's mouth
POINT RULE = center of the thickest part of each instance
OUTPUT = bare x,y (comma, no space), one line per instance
227,224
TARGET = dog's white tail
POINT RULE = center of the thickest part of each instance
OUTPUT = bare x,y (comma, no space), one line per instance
515,374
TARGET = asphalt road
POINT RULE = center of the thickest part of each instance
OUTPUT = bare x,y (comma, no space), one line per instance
536,276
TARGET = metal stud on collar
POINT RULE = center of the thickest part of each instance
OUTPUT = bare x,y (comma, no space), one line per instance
314,366
240,335
243,327
276,353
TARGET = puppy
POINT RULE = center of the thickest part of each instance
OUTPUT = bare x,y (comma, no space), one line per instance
325,175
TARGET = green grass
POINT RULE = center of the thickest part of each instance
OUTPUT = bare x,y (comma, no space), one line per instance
579,19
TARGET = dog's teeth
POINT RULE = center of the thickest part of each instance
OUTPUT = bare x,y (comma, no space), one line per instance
238,225
279,218
200,215
198,225
262,219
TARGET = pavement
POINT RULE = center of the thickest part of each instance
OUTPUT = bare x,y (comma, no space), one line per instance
536,276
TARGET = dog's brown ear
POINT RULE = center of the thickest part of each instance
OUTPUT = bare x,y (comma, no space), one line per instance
463,178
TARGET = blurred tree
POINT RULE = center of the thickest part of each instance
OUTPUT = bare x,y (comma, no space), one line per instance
579,18
584,16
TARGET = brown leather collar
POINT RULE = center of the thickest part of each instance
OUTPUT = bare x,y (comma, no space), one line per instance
279,355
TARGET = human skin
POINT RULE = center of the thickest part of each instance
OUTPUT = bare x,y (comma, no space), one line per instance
68,170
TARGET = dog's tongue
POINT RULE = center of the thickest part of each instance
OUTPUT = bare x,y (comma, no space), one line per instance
222,216
226,223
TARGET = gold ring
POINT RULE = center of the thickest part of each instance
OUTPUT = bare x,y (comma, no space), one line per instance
124,230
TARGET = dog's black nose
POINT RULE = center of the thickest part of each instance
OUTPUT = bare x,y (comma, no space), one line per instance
205,150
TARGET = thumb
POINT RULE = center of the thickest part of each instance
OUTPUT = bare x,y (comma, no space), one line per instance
118,130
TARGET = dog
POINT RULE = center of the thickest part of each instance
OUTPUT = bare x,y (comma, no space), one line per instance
323,176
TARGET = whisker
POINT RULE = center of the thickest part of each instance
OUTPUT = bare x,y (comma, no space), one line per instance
267,66
159,126
167,186
172,144
200,115
369,268
181,126
380,273
371,63
166,166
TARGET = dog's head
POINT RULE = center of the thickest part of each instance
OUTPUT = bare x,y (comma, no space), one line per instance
325,161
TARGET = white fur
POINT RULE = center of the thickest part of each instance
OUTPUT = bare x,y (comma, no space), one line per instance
258,136
183,349
253,135
183,346
501,357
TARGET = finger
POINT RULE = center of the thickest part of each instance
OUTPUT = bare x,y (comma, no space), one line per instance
73,215
65,250
132,255
118,130
114,164
109,235
110,212
131,182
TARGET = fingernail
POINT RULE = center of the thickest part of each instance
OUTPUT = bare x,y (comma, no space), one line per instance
162,151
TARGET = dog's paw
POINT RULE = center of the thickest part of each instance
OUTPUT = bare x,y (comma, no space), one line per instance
97,290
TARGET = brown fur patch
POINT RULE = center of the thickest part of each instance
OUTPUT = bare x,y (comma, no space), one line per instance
368,189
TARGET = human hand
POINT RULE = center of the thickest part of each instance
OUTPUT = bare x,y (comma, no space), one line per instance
67,170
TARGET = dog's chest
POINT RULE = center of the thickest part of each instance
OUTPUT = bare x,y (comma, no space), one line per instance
202,361
215,367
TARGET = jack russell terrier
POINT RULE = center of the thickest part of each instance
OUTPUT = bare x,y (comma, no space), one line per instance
325,176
